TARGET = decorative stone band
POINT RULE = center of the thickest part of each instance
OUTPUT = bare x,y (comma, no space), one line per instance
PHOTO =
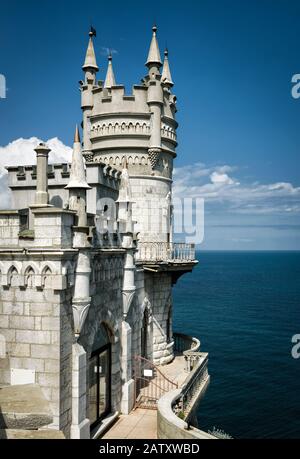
154,155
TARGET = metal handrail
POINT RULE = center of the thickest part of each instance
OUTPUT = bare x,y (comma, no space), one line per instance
139,357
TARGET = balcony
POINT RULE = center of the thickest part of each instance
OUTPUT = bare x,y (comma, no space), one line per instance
165,252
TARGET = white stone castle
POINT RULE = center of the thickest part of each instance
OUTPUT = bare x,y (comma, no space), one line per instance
87,260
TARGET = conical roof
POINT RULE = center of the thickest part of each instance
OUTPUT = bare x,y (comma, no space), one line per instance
77,174
90,58
110,77
154,54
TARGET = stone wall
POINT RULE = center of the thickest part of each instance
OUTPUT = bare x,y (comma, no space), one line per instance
106,307
159,290
36,321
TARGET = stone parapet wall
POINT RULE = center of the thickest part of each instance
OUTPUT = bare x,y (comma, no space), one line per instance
170,426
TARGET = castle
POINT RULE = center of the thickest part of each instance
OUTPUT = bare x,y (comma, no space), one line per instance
87,260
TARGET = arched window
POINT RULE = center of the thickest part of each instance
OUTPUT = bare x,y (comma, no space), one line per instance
12,277
47,277
29,277
100,376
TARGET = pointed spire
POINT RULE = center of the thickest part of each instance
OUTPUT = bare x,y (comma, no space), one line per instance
110,77
77,174
166,74
76,136
154,54
90,58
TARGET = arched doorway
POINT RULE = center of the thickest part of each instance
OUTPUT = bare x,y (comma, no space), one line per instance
100,377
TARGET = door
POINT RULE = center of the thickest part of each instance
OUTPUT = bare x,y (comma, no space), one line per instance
100,384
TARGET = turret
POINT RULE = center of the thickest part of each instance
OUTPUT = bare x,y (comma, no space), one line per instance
90,65
77,185
155,98
110,77
90,69
166,77
126,229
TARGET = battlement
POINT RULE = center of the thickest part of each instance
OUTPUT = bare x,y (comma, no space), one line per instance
103,178
115,99
59,174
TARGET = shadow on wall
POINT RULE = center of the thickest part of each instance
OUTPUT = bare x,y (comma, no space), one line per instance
5,192
3,426
57,201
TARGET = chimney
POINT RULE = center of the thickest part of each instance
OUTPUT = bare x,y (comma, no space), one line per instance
41,194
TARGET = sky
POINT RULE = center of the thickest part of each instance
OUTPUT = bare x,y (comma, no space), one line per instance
232,63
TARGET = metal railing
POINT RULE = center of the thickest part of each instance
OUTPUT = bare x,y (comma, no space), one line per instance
165,251
149,383
193,387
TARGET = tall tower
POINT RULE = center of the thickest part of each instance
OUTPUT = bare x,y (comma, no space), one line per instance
90,69
139,128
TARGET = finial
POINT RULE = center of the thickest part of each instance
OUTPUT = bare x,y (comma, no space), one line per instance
166,52
76,136
154,28
92,32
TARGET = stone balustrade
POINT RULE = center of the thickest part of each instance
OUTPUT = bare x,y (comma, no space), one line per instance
165,252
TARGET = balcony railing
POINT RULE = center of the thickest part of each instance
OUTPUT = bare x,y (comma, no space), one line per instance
165,251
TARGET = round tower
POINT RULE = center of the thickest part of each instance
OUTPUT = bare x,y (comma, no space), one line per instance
139,128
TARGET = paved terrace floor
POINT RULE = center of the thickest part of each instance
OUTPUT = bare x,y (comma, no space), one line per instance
142,423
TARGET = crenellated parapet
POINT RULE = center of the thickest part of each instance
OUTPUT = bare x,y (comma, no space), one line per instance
143,122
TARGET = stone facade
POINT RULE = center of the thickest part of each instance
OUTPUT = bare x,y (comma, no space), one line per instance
73,289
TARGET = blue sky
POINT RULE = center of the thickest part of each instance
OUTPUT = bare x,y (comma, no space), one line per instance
232,63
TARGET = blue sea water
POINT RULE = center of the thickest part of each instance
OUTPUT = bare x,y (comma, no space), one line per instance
245,307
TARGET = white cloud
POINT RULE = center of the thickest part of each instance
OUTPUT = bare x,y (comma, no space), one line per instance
21,152
227,194
223,179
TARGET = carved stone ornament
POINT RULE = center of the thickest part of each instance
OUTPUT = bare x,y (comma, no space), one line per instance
80,311
128,296
153,156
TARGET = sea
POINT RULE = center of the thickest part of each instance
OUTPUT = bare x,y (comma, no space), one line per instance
245,308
